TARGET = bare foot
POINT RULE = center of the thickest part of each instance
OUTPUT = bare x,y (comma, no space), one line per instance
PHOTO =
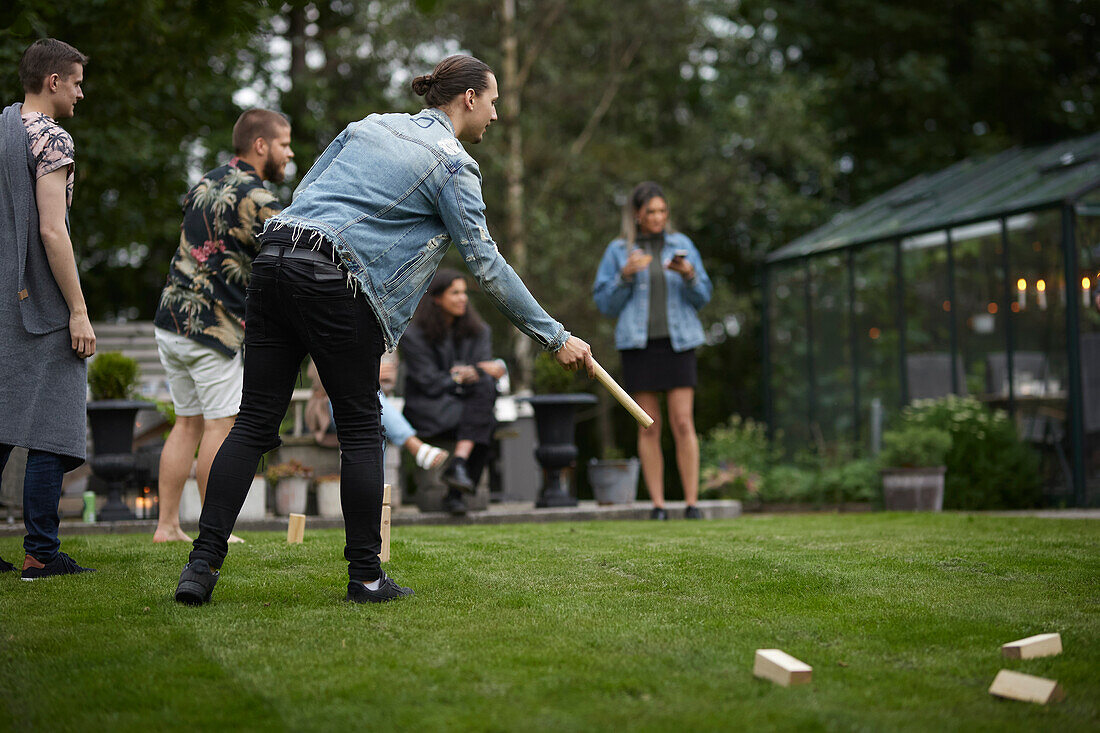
234,539
174,534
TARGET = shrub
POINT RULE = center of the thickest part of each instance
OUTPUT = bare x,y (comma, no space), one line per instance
988,466
112,376
732,458
914,447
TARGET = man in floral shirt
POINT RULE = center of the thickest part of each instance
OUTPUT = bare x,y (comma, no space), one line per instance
200,319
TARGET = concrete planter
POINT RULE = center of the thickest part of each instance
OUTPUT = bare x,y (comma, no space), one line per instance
614,482
913,489
291,495
328,499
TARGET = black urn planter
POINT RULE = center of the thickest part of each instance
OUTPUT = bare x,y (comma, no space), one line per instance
112,424
556,450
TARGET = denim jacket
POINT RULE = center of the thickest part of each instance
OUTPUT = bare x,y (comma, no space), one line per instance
629,299
391,193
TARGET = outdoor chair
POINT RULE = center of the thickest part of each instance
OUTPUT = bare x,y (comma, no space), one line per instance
929,375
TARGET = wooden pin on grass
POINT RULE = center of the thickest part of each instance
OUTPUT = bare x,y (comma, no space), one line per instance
781,668
384,555
1026,687
1040,645
296,529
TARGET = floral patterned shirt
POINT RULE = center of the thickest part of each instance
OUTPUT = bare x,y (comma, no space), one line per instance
52,148
205,293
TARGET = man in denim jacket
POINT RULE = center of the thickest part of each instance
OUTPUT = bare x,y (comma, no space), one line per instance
341,271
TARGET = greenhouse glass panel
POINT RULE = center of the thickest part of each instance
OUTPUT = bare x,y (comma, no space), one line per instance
1039,381
832,360
979,296
1088,244
928,318
877,333
789,380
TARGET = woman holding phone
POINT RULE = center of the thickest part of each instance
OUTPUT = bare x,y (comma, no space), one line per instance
652,279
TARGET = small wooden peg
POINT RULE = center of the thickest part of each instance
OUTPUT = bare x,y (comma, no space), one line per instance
296,529
384,555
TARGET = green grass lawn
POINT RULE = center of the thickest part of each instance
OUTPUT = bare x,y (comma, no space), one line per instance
588,626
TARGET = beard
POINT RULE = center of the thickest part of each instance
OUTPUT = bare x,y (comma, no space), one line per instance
273,171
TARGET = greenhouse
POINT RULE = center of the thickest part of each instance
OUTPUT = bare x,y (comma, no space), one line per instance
982,279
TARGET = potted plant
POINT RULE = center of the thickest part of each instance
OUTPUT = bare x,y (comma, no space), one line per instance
112,379
913,468
328,496
291,482
554,402
614,478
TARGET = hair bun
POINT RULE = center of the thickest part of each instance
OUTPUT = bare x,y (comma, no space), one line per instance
421,84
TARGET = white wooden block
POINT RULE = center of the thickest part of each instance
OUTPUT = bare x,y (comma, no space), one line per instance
1026,687
781,668
296,528
1040,645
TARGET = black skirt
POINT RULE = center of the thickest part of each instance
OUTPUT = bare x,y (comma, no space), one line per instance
657,368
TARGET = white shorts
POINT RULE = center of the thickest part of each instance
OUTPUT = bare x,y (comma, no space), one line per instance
202,381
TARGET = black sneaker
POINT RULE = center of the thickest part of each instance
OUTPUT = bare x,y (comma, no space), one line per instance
197,583
692,512
60,565
454,504
457,477
658,513
387,591
6,567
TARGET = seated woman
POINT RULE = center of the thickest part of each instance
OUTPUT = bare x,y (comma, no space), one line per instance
397,429
450,383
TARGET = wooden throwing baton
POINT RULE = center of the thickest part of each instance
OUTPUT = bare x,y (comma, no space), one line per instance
620,394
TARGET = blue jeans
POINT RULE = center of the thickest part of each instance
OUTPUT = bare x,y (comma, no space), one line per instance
41,495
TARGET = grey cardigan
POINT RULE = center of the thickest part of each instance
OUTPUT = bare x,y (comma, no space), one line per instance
41,303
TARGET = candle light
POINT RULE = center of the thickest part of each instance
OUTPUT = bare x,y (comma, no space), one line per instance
1085,285
1041,289
1021,293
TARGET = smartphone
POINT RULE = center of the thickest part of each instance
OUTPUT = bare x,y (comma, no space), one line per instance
679,254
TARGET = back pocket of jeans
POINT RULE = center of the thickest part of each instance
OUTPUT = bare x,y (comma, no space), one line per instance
330,322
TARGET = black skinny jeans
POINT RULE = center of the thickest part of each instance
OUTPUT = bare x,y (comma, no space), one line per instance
296,307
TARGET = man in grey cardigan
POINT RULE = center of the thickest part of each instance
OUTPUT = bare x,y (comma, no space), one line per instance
45,333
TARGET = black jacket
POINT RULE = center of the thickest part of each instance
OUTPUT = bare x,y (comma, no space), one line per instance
432,399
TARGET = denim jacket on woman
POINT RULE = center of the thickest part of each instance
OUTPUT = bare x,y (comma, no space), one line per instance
629,298
391,193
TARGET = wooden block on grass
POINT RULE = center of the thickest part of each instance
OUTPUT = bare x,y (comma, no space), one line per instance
384,555
781,668
296,528
1040,645
1026,687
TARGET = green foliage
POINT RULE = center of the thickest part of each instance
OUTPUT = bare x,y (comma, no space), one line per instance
988,466
732,458
551,378
112,376
738,462
914,446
